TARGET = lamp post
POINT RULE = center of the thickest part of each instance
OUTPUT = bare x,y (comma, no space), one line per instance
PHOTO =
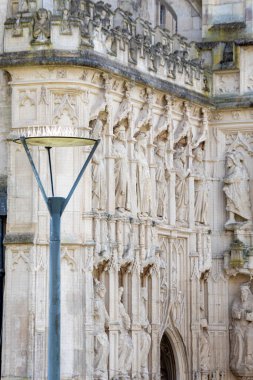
56,206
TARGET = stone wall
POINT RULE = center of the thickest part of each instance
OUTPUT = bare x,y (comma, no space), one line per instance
157,239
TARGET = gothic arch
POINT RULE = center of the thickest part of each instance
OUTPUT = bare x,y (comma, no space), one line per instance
177,357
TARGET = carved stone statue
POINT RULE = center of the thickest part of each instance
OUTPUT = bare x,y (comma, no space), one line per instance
65,24
241,353
101,342
143,186
181,190
204,346
98,167
125,341
145,335
237,190
162,176
17,28
200,187
121,170
41,26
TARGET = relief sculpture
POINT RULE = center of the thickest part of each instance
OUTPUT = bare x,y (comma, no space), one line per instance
143,185
121,170
125,341
162,176
101,342
41,26
181,190
200,187
98,168
241,335
145,335
237,191
205,345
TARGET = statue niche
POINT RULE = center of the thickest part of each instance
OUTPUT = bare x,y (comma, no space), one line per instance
181,189
162,177
41,27
241,334
121,170
101,342
98,168
200,187
237,192
205,346
125,341
143,185
145,335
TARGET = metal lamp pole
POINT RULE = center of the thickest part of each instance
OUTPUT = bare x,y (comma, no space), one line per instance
56,206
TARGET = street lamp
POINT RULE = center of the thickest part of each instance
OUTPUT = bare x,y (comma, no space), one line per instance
56,206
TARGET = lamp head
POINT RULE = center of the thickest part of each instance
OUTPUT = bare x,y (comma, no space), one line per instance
53,136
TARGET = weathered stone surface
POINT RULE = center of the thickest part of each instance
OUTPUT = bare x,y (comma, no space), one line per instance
165,208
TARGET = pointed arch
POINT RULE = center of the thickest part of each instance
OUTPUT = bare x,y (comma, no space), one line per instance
176,355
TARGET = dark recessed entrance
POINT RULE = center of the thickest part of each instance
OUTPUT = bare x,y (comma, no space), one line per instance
168,364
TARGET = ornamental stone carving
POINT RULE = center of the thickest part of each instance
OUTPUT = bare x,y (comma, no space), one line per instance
98,168
237,191
125,341
101,342
162,176
181,189
145,335
143,184
200,187
241,335
41,27
65,24
121,170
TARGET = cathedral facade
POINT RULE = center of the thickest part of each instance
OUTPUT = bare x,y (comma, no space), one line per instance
157,242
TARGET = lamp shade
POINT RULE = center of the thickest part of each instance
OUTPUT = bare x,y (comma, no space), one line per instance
56,141
50,136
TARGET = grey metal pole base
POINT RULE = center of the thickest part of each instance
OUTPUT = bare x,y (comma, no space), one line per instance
55,206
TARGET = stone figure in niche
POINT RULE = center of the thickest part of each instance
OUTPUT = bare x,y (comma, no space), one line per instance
241,353
181,190
125,341
200,187
98,167
121,170
65,24
162,177
145,335
204,345
178,309
101,342
17,28
143,185
237,191
41,26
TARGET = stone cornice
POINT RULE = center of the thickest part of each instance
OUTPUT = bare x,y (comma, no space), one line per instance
95,60
233,102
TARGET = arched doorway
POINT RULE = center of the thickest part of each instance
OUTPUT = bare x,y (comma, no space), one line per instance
168,363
